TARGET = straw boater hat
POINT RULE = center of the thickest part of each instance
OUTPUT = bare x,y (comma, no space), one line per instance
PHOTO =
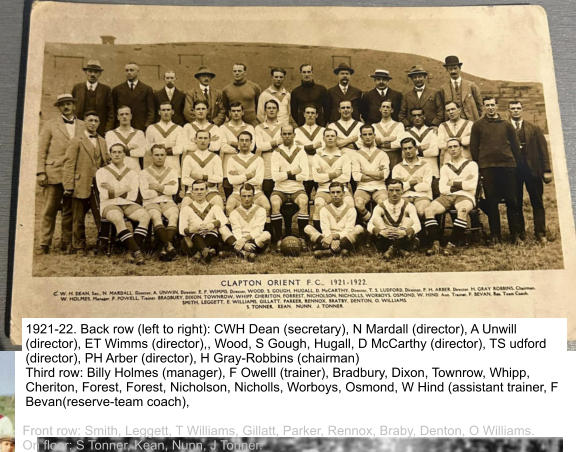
417,69
343,67
381,73
94,65
64,98
452,60
204,70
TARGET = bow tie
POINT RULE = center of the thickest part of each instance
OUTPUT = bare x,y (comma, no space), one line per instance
68,121
419,90
93,136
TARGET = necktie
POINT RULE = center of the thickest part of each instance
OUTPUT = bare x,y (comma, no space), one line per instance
206,92
381,92
517,125
68,121
457,88
131,86
93,136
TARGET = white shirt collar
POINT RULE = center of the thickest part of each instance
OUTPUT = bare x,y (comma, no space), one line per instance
204,87
458,80
133,82
91,85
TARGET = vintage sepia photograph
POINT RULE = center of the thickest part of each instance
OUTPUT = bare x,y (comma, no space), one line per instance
299,149
226,156
7,402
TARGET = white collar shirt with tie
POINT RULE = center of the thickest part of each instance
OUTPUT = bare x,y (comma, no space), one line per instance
517,123
93,138
382,92
343,88
132,84
169,92
91,86
205,89
419,91
70,127
457,84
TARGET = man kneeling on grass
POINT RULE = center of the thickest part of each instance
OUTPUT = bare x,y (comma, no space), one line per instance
458,183
248,221
394,223
202,224
338,230
118,187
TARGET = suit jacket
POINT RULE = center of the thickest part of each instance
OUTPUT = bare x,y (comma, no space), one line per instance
335,96
216,109
140,100
52,145
370,105
535,149
427,101
104,105
471,100
80,165
177,102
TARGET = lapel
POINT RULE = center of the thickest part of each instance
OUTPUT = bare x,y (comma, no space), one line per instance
89,147
99,91
465,89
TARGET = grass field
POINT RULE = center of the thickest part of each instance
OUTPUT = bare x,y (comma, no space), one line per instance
529,256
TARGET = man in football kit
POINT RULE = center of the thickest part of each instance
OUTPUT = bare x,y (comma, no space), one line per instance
279,93
347,128
370,168
330,165
458,183
85,154
202,223
158,184
243,168
268,138
394,223
454,127
118,187
388,134
133,139
229,139
166,133
248,221
187,138
337,231
203,165
426,139
416,176
309,137
289,170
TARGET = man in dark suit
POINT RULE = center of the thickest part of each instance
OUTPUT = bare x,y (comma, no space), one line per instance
136,95
205,93
85,154
173,95
372,100
343,91
533,169
95,96
463,92
420,97
52,144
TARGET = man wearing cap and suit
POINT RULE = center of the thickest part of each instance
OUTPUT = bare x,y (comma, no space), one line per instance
84,155
420,96
95,96
169,93
205,93
52,144
372,100
463,92
136,95
343,91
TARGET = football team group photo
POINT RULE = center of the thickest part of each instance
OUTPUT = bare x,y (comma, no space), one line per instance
368,168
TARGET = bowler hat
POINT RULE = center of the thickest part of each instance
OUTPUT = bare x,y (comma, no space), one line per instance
381,73
94,65
452,60
417,69
343,67
64,98
204,70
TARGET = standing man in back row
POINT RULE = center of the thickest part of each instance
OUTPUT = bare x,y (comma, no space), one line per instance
203,91
372,100
244,91
309,93
95,96
279,93
343,91
169,93
495,147
136,95
464,92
